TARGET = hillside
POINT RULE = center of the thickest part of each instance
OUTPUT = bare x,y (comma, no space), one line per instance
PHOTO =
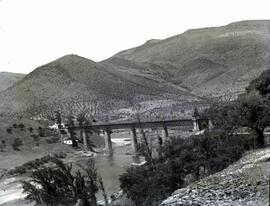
207,62
7,79
244,183
195,66
76,84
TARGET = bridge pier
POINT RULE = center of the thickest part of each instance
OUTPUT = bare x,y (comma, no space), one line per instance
210,124
195,125
165,133
85,145
134,141
108,141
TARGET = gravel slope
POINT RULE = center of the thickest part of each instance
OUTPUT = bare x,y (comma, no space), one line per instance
243,183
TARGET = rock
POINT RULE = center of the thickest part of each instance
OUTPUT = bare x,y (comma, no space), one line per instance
79,202
181,191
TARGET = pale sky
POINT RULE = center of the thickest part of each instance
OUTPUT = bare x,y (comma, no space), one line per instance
35,32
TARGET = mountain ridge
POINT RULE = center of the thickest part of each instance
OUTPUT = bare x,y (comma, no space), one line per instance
197,65
7,79
241,47
72,79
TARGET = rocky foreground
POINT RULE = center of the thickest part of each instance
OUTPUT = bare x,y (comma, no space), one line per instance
243,183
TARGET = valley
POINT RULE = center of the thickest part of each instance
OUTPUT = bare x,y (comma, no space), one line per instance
218,74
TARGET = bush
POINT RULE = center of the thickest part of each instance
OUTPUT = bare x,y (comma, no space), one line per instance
41,132
16,144
182,161
31,129
9,130
21,126
35,137
3,146
60,155
63,131
15,125
53,140
31,165
150,184
57,185
17,171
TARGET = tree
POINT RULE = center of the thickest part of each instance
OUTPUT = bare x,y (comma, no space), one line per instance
195,157
41,132
146,149
31,129
3,146
102,188
261,84
21,126
91,181
81,119
9,130
16,144
70,127
88,130
58,185
58,119
251,110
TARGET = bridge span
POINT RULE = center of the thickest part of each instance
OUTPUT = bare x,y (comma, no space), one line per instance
195,124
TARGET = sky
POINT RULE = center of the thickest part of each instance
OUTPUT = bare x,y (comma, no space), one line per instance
35,32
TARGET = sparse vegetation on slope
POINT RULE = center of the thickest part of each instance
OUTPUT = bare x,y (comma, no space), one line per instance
7,79
209,62
74,83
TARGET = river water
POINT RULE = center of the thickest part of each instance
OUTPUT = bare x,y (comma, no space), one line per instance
110,167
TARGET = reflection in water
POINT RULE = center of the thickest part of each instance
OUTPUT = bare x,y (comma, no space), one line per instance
110,167
136,158
111,158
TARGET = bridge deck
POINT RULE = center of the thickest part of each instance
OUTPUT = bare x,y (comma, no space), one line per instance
146,124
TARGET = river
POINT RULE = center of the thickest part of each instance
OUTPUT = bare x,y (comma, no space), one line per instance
110,167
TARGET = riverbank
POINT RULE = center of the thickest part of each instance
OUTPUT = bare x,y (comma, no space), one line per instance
109,167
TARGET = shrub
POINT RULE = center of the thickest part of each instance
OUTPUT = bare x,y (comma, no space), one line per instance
194,157
57,185
34,164
15,125
21,126
35,137
53,140
17,171
63,131
60,155
3,146
9,130
31,129
41,132
16,144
